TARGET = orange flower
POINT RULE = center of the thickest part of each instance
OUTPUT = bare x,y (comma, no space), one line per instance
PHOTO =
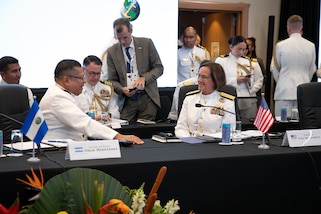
34,182
114,206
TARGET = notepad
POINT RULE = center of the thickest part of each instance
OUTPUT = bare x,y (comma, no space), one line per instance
165,137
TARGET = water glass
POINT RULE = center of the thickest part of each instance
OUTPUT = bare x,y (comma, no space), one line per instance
294,114
237,132
16,137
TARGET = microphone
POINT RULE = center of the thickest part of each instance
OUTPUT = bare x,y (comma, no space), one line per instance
11,118
198,105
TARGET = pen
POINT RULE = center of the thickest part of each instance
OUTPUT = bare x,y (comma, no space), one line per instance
57,141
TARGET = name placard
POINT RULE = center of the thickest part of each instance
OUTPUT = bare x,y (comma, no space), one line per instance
301,138
88,150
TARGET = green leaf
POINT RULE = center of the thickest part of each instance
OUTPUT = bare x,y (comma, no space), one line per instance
64,192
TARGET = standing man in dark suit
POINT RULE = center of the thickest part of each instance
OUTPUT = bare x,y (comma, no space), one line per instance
133,67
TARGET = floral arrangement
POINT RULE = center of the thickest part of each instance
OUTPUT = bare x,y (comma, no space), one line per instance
87,191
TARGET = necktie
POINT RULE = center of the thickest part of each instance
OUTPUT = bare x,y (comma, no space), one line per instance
129,58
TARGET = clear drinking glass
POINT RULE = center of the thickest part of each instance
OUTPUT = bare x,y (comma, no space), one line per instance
237,132
16,137
104,117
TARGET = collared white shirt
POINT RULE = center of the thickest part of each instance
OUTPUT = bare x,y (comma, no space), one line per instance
133,75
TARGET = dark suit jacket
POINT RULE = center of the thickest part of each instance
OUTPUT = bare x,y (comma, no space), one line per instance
148,62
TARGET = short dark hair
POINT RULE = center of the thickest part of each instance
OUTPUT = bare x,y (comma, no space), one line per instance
217,73
5,61
65,67
236,39
118,25
91,58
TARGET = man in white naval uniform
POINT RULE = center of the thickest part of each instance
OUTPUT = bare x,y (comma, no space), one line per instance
293,64
189,56
173,114
64,118
97,96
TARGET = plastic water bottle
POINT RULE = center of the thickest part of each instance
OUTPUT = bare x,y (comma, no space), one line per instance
91,113
226,133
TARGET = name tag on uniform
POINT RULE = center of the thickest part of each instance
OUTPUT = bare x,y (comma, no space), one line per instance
88,150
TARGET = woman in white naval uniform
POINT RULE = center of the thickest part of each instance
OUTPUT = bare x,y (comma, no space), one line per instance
194,121
241,73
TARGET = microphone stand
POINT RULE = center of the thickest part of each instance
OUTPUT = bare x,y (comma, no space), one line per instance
198,105
10,118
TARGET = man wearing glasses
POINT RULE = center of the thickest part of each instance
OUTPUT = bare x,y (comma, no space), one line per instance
64,118
97,97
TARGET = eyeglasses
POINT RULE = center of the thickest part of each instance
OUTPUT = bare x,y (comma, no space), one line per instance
77,77
203,77
92,74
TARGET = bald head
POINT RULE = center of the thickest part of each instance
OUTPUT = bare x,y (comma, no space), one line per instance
189,37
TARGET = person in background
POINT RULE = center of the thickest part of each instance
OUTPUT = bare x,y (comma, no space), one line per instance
198,44
97,96
173,114
64,118
104,69
189,56
239,72
194,121
293,63
257,78
133,68
10,72
251,43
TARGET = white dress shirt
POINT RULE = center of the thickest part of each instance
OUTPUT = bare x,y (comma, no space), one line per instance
66,120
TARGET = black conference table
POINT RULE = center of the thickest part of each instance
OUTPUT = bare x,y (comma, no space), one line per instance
147,130
206,178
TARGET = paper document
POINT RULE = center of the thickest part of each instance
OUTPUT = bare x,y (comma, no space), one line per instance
245,134
25,146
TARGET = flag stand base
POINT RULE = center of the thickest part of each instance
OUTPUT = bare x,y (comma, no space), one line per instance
263,146
33,160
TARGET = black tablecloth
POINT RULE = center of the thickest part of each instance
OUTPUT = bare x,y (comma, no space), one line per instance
206,178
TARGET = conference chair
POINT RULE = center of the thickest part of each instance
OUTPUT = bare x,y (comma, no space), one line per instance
14,107
165,108
309,105
229,89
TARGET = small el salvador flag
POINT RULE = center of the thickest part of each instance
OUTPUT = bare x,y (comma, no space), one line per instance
34,126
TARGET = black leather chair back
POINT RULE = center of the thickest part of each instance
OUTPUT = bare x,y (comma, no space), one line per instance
15,104
229,89
309,105
182,94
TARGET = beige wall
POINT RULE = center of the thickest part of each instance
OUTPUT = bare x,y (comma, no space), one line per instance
258,20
